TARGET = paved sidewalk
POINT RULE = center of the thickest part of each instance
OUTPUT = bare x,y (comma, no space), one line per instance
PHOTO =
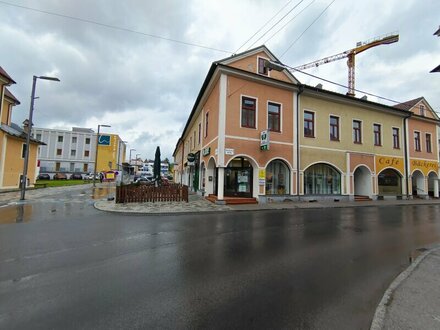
198,204
413,300
35,194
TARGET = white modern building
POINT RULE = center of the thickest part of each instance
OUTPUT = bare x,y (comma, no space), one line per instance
74,151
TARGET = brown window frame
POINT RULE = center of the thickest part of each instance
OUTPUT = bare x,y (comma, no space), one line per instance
200,133
422,110
309,123
396,138
86,153
417,142
357,132
59,152
206,123
377,135
246,110
261,68
428,142
334,128
274,117
23,150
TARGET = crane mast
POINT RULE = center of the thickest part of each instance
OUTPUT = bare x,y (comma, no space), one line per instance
350,55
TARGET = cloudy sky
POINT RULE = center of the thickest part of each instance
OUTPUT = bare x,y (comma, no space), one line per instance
140,68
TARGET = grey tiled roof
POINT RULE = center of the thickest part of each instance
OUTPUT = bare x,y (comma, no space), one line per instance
5,74
11,96
15,130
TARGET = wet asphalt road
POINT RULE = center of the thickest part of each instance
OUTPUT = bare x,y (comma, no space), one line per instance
64,264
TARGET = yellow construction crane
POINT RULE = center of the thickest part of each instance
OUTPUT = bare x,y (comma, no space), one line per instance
350,55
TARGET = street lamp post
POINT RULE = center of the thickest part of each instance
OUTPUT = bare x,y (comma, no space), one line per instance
129,161
120,160
28,135
96,154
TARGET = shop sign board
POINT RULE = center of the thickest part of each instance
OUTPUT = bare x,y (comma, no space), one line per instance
104,140
206,151
383,162
229,151
110,175
424,165
191,157
262,177
264,140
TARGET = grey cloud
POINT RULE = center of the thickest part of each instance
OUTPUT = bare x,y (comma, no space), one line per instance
106,74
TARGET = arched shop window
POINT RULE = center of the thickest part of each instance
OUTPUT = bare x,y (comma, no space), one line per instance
389,182
322,179
277,178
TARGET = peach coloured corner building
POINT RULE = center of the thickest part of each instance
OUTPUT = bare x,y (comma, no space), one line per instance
259,133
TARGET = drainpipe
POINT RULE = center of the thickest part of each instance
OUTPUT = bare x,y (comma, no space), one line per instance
300,90
181,166
406,155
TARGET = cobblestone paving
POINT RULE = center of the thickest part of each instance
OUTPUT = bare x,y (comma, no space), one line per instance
193,206
35,194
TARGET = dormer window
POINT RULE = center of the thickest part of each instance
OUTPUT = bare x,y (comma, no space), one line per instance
262,69
422,110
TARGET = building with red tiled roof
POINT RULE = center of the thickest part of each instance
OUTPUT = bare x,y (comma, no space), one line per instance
422,148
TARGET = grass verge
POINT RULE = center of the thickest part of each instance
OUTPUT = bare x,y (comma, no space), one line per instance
61,183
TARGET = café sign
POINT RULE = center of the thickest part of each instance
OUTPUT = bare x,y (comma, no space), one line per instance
393,162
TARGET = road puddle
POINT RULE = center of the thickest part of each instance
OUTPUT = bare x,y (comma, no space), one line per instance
103,192
16,214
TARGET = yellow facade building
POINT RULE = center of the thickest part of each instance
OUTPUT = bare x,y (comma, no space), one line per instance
13,141
111,152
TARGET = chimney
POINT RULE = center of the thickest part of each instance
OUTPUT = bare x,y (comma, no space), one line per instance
26,126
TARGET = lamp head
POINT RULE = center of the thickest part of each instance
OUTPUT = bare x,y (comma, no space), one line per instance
48,78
